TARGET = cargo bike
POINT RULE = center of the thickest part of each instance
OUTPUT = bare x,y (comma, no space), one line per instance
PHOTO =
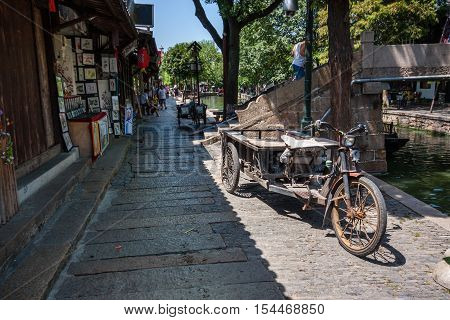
315,170
194,111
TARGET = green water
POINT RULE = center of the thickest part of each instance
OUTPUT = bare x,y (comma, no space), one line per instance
422,168
213,102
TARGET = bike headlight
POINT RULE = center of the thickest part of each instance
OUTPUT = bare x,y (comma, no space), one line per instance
349,141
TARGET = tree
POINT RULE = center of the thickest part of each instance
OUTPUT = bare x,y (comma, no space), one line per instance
266,47
236,14
212,65
176,63
394,22
340,56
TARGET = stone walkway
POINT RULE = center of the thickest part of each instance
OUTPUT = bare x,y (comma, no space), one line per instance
167,230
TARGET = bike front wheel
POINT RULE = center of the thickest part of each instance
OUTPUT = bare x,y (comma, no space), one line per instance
360,225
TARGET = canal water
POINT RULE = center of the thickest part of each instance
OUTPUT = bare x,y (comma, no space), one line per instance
422,168
213,102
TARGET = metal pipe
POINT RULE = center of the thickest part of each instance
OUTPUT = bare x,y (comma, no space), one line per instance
407,78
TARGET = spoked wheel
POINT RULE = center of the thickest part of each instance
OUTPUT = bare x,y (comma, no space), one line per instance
230,168
360,226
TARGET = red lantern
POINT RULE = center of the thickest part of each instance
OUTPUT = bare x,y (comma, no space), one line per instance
51,6
143,58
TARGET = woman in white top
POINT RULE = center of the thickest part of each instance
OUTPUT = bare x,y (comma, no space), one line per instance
298,52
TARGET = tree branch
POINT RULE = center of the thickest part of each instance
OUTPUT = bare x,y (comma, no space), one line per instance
259,14
201,15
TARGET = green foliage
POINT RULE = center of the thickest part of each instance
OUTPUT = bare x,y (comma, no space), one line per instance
177,61
212,64
266,48
393,22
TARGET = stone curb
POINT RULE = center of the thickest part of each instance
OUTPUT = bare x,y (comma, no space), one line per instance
412,203
441,274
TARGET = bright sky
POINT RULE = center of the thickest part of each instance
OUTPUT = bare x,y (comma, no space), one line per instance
175,22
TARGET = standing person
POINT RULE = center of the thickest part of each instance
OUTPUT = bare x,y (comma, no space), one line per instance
143,100
298,52
162,97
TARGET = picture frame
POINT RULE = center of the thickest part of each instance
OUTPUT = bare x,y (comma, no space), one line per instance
75,72
115,103
90,74
67,141
80,74
61,105
113,65
77,45
87,44
105,64
81,88
63,121
117,131
91,87
93,103
60,87
115,115
80,59
83,104
112,85
88,59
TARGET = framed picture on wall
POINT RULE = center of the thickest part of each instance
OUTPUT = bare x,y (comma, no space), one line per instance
67,141
78,45
112,85
80,74
87,44
93,103
90,74
105,64
112,65
115,115
91,87
59,86
79,59
80,88
115,102
88,59
61,106
117,131
63,120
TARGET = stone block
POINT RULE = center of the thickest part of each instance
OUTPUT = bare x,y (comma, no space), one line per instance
377,166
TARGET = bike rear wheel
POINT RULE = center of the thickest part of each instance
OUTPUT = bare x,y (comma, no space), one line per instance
230,168
359,227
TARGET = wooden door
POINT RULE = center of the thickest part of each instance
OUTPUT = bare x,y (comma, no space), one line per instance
20,96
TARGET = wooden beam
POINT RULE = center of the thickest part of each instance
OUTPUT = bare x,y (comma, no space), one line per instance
73,22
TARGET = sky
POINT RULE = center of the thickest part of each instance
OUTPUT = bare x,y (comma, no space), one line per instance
175,22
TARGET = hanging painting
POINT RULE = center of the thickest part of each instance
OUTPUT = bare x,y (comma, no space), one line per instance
117,131
104,94
61,106
63,120
105,64
90,74
80,88
93,103
87,44
115,103
67,141
91,87
59,85
80,74
78,45
88,59
112,85
113,65
116,115
79,59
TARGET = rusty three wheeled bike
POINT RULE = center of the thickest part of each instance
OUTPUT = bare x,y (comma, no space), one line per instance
317,171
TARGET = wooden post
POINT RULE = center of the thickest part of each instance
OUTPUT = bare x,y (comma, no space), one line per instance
8,189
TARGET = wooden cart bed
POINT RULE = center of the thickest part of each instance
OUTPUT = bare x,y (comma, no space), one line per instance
256,144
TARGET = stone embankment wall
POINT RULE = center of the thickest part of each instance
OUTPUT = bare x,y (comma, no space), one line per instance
429,122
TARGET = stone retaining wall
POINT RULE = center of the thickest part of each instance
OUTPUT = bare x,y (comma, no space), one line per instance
423,121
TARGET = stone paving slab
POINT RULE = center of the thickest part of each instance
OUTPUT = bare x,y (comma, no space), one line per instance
150,280
154,222
152,233
164,181
244,291
180,243
84,268
162,203
166,196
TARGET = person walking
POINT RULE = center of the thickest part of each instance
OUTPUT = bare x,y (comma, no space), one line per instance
143,100
162,95
298,64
